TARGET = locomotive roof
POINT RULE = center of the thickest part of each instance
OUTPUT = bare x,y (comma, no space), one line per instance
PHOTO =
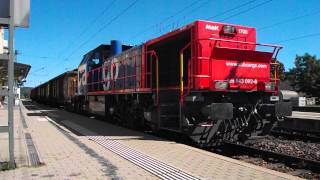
102,47
87,56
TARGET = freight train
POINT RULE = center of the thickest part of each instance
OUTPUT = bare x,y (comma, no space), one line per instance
208,81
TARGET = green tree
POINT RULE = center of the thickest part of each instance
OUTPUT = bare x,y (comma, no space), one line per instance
305,76
280,70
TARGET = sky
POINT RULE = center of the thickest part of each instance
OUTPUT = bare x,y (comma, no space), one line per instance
61,32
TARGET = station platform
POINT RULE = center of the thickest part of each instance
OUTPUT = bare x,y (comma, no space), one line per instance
72,146
302,121
305,115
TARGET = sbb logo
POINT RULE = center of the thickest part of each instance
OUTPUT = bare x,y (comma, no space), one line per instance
212,27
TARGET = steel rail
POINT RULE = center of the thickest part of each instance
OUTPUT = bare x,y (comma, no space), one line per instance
296,134
285,158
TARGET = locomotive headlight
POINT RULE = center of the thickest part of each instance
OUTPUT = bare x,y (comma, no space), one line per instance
231,30
221,85
269,86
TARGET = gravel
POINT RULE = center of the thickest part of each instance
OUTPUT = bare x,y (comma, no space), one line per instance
300,149
281,145
278,167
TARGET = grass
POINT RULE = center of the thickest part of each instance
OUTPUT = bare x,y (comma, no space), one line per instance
4,166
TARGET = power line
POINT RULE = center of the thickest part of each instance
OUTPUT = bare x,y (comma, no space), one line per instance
97,32
83,32
288,20
42,75
299,37
164,20
37,70
188,13
232,9
220,14
102,28
246,10
91,23
38,57
196,8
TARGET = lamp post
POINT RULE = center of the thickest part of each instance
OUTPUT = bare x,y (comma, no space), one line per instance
10,85
13,13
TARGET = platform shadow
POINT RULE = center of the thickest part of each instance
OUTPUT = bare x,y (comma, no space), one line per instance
108,169
82,125
35,114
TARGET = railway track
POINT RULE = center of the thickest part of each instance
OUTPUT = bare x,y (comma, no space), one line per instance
295,134
289,160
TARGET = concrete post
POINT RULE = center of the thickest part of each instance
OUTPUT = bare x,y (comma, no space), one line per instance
10,86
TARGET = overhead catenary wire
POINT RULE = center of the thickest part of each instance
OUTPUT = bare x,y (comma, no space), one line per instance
164,20
42,75
169,17
101,29
187,14
224,12
288,20
299,37
195,9
36,56
37,70
232,9
247,10
89,25
96,33
83,32
40,69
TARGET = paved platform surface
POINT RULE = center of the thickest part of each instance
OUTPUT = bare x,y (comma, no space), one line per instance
20,152
62,140
305,115
302,121
67,156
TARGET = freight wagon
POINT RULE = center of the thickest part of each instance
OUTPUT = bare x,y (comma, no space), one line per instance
57,91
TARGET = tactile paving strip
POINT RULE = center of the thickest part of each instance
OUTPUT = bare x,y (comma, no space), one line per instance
24,124
33,155
154,166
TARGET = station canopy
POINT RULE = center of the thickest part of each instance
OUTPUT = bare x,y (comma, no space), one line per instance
20,71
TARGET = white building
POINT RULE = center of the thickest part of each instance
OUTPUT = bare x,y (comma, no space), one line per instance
1,40
3,43
3,67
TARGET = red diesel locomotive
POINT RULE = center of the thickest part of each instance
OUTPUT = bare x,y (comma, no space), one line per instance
210,81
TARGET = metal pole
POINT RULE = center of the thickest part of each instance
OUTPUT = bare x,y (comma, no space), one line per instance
10,86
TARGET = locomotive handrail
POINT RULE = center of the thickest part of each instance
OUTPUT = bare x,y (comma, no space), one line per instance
181,72
181,83
242,42
275,52
153,53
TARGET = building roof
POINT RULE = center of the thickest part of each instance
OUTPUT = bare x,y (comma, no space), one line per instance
20,71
